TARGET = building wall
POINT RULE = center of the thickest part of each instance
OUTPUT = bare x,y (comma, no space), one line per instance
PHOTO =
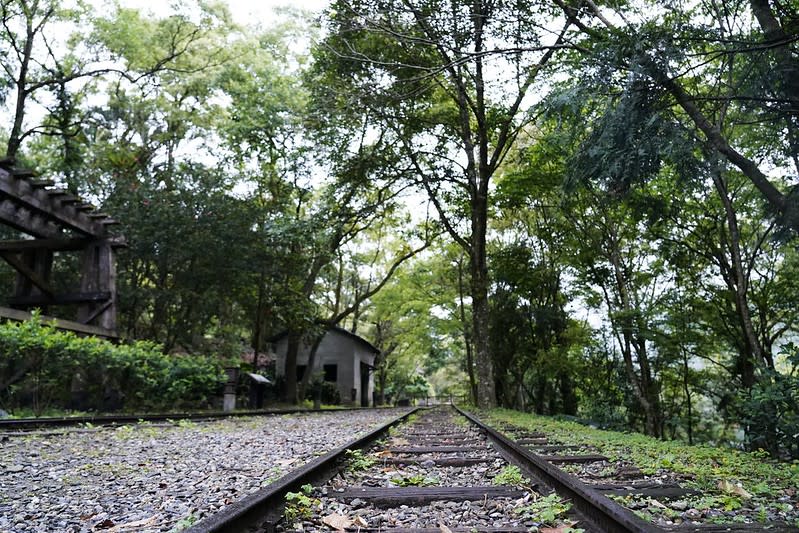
338,349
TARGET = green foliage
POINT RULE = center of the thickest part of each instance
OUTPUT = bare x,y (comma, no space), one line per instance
300,505
546,510
41,366
330,394
509,475
417,480
356,460
726,477
770,411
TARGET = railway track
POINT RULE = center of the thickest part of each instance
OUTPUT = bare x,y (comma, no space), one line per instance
26,424
445,471
607,478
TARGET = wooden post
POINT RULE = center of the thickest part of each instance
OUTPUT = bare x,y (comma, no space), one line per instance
98,267
40,263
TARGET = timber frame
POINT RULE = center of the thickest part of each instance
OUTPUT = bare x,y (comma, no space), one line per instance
57,221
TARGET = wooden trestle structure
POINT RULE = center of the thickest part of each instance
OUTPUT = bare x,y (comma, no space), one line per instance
57,221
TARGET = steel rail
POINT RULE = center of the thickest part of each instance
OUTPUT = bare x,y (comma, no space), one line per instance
268,502
601,512
109,420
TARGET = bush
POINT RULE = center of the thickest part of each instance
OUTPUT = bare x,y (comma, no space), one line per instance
330,393
42,367
770,411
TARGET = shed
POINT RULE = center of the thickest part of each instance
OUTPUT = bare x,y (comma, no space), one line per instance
345,358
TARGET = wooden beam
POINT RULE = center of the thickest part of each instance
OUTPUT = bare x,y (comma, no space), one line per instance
22,173
26,221
25,195
21,316
56,245
60,299
23,269
99,311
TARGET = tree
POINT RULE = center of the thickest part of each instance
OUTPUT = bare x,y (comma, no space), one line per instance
712,73
37,64
448,82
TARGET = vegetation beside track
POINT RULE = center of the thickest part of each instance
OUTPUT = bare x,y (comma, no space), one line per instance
728,479
43,368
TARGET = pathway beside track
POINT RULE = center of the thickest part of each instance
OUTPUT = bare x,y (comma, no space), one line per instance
158,476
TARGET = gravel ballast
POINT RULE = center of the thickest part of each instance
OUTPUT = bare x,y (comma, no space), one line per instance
158,477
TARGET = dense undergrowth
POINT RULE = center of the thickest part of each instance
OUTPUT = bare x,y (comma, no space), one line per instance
728,479
42,368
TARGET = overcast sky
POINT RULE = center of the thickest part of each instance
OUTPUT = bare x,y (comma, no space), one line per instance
247,11
244,11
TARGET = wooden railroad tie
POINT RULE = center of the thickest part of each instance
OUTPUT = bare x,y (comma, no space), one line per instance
665,491
436,449
435,435
507,529
439,461
442,441
587,458
554,447
392,496
533,442
521,439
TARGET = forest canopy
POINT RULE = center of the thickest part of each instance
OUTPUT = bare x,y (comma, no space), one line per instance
585,209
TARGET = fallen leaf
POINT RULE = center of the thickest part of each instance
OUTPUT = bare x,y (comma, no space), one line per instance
732,488
337,521
384,453
286,462
138,525
560,529
444,529
657,504
359,521
105,524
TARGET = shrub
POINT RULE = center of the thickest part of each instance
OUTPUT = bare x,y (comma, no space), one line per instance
42,367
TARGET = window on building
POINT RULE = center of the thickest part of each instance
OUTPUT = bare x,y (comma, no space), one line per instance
331,373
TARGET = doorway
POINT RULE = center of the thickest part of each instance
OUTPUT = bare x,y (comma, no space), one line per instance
364,385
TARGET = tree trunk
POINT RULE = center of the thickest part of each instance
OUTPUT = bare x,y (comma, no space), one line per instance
15,137
467,335
290,371
486,396
643,385
753,354
308,375
688,399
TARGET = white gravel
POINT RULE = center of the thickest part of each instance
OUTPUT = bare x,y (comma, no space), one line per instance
159,477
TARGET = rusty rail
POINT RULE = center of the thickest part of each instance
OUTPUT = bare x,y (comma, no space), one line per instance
601,512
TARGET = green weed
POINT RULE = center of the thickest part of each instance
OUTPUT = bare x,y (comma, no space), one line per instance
414,481
546,510
299,505
510,475
356,460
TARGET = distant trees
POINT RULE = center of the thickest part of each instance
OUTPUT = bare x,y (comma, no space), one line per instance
448,83
617,182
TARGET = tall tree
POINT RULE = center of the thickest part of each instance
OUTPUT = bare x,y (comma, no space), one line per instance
717,65
449,82
89,48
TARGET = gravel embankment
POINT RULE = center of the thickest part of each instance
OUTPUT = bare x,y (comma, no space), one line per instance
158,477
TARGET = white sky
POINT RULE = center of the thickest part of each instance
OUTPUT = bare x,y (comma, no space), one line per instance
249,12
